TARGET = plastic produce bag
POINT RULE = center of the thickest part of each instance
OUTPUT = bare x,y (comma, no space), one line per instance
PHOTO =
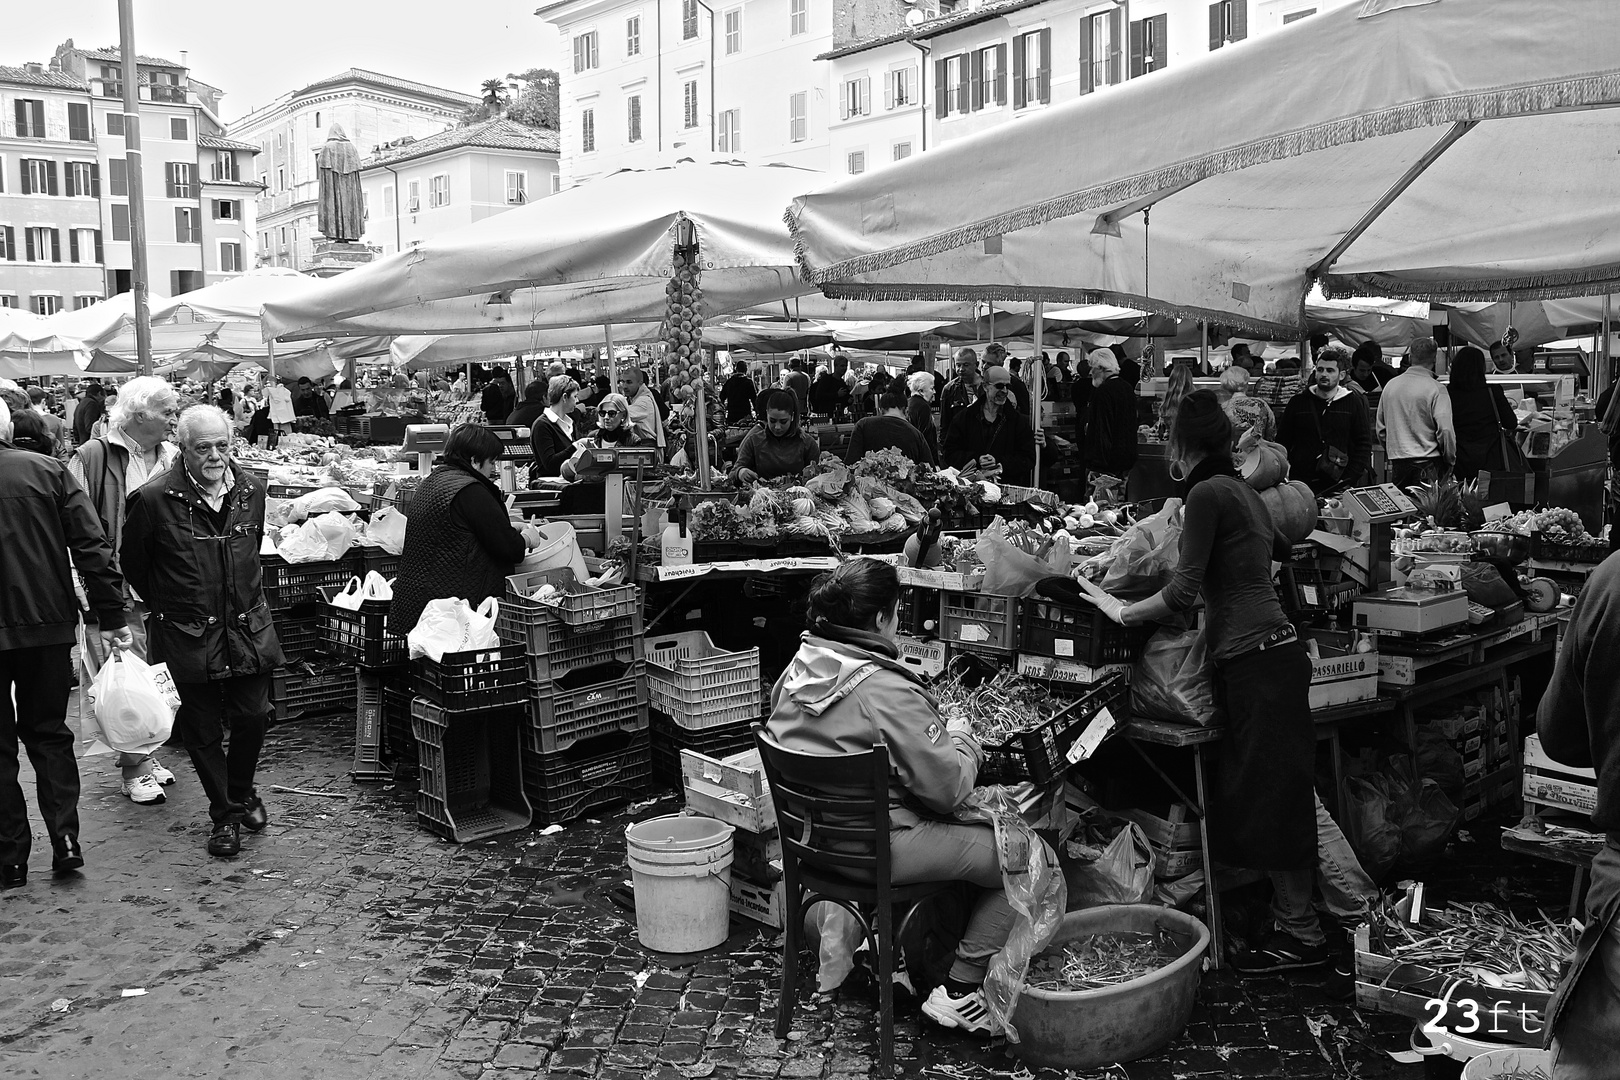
321,501
451,625
1175,680
1428,821
1437,759
1108,862
134,715
357,592
387,528
302,543
1374,836
338,532
1145,556
1035,889
1012,571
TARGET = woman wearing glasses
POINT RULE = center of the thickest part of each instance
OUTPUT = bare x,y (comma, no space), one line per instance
612,429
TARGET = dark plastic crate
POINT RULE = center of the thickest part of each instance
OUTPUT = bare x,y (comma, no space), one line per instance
1039,754
1316,589
980,620
361,636
593,774
919,611
307,690
289,584
581,605
469,772
399,740
374,558
368,730
1591,551
299,634
554,650
668,739
560,719
480,680
1078,632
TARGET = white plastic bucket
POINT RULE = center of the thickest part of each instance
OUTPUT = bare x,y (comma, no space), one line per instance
681,867
559,549
1516,1059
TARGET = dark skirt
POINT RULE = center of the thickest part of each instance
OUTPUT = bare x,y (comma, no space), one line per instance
1263,802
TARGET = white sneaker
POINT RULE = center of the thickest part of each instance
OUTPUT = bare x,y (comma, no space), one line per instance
968,1012
143,790
160,774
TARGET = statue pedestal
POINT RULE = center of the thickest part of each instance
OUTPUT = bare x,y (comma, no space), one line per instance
333,257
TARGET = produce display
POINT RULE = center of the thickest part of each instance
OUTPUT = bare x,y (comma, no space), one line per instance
998,708
1484,943
833,502
1098,960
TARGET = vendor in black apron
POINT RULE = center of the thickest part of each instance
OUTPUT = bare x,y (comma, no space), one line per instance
1579,722
1265,810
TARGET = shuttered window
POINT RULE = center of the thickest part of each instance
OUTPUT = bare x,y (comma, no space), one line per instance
78,121
1032,68
1149,45
30,116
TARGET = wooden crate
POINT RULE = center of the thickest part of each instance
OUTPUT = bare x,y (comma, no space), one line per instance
732,790
762,903
1053,669
1343,691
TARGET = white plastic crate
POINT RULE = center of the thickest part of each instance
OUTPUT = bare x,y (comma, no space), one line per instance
699,685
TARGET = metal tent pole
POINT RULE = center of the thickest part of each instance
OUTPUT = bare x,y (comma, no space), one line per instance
137,203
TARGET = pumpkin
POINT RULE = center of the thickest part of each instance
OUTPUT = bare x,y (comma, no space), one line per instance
1265,466
1293,509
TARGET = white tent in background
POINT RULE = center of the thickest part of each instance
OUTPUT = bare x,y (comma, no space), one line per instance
30,348
1396,148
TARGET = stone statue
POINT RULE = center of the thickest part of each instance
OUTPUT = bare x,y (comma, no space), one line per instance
342,215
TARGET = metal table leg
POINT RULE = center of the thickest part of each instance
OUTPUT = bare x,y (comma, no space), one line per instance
1212,892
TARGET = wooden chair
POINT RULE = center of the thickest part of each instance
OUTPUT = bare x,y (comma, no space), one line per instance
832,811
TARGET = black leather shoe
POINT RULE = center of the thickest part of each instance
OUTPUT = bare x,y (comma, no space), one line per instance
69,857
254,815
13,877
226,840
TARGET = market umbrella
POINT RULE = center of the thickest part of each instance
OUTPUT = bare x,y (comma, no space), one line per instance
1458,149
31,348
594,254
416,352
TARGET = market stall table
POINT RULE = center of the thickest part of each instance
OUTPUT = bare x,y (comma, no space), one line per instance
1165,733
1576,853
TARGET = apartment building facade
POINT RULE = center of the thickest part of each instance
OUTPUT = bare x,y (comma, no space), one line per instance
645,82
420,188
64,185
981,64
373,110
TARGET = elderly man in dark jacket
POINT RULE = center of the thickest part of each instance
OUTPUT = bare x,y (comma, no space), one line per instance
44,517
992,432
191,549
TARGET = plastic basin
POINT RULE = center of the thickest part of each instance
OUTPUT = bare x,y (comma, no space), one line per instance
1496,1063
1087,1029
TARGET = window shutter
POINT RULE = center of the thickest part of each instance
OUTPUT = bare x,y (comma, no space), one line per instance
1046,66
78,122
51,187
888,89
11,243
73,245
1136,48
1240,19
866,96
941,100
174,283
56,245
27,185
181,233
28,241
1020,46
1086,83
963,77
39,119
1161,42
843,102
1001,74
22,118
977,80
95,180
1217,27
168,180
99,259
1116,57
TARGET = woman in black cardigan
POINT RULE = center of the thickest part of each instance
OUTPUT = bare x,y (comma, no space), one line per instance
554,430
1481,414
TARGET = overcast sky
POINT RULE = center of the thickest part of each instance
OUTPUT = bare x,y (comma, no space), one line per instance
256,52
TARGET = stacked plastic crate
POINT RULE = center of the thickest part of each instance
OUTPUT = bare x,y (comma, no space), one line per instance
467,717
704,698
584,738
308,685
358,637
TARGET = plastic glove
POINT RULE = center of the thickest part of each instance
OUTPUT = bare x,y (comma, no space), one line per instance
1108,605
531,537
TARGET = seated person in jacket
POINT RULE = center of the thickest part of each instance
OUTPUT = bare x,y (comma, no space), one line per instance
612,429
1328,416
779,448
889,428
845,686
992,432
552,435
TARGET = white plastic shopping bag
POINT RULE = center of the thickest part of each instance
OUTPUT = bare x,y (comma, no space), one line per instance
349,599
134,715
357,592
450,625
387,528
338,532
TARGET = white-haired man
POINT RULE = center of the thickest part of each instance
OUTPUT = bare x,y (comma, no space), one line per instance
109,467
1110,439
920,409
191,549
47,520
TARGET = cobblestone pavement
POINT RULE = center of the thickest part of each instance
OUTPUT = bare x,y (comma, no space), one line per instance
347,943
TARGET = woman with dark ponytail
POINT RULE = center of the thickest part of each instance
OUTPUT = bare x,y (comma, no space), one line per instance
844,690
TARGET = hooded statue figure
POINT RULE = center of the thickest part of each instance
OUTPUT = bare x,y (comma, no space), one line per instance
338,167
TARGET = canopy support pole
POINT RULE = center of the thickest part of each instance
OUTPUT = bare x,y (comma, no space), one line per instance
702,426
1606,360
270,354
607,336
1203,346
1108,224
1037,375
139,271
1396,190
